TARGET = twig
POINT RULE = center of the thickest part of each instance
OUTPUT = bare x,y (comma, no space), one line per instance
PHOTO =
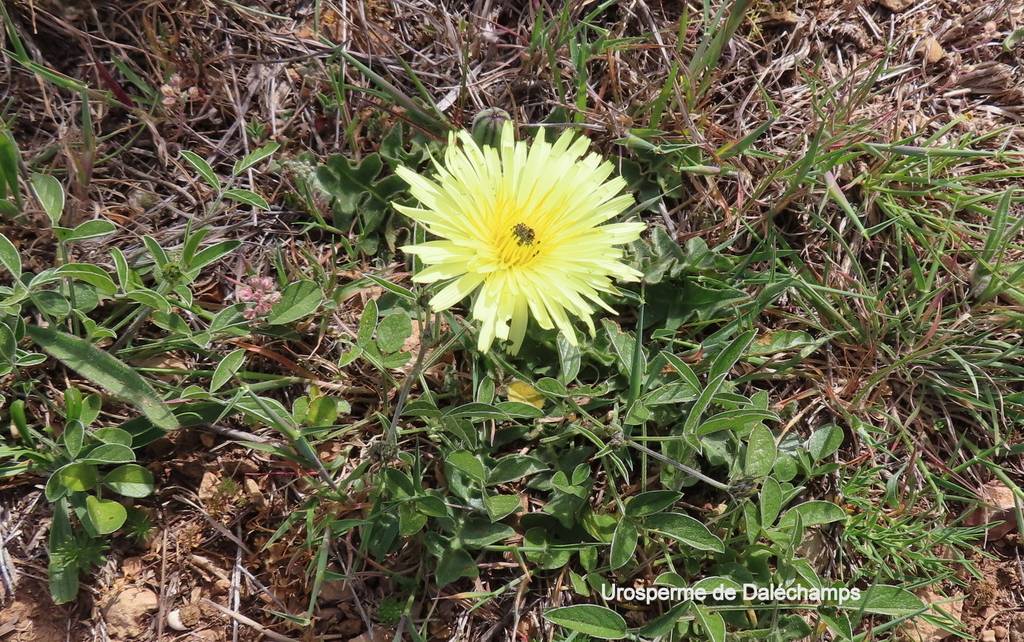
253,624
161,612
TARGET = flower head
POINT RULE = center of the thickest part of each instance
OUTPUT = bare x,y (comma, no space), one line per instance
526,224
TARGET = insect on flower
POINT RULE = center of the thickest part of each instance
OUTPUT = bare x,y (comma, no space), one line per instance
525,225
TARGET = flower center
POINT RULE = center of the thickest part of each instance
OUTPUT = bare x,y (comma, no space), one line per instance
518,247
524,234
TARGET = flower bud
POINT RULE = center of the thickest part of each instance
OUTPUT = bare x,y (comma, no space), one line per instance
487,126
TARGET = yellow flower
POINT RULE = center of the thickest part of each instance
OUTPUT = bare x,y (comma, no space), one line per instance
523,223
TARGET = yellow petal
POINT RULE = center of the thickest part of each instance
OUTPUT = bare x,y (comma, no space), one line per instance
525,393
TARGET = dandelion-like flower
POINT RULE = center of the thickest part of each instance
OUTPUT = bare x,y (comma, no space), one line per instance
526,224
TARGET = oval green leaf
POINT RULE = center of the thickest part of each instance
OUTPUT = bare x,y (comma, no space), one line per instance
106,515
130,480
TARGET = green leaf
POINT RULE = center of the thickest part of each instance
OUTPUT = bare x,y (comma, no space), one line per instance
91,230
77,476
455,563
761,452
500,506
623,543
63,569
728,357
210,254
298,300
825,441
701,404
150,299
468,463
394,288
686,530
590,619
734,420
367,323
9,155
130,480
771,501
477,533
712,622
106,515
51,303
393,330
113,436
247,197
349,183
50,193
813,513
203,168
651,502
9,257
253,157
226,369
322,412
89,273
568,360
882,599
109,454
73,437
513,467
105,370
540,550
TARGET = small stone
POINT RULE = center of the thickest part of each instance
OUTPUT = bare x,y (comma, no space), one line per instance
127,612
896,6
931,50
1001,632
988,636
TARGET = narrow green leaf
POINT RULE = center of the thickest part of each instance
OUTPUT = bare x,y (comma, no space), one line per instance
210,254
405,293
203,168
248,197
226,369
88,273
254,157
63,570
686,530
109,454
9,257
727,358
593,620
298,300
813,513
761,452
106,371
91,230
623,543
893,601
771,501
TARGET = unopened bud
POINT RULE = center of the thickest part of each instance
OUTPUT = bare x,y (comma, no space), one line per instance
487,126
